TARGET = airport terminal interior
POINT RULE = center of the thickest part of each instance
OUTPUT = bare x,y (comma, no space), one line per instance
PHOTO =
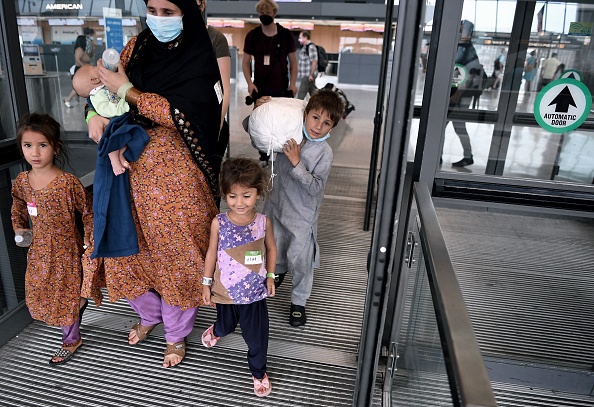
442,281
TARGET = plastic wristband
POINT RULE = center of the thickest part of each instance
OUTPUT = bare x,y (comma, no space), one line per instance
123,89
206,281
271,275
91,114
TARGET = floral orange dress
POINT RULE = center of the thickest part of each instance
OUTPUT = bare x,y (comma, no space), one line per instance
172,206
54,271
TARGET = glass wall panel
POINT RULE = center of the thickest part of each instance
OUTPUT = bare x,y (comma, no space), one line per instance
491,128
550,33
490,39
421,378
49,29
505,9
485,11
556,17
54,27
13,259
7,125
536,153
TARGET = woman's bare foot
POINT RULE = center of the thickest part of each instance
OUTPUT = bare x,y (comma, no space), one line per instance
139,333
65,353
174,353
133,338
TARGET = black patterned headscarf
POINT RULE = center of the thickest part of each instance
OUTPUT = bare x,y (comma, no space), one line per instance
186,73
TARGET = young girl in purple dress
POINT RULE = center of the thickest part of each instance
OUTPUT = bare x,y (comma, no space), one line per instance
239,266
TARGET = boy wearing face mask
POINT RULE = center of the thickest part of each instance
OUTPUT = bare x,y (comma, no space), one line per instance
295,200
271,45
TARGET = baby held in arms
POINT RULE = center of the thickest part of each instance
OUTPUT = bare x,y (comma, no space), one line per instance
86,83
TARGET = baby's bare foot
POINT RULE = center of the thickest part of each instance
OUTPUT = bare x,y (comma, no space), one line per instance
118,170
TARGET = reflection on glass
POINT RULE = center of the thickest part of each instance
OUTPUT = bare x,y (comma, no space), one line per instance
554,47
467,87
505,11
535,153
7,125
484,17
12,273
420,378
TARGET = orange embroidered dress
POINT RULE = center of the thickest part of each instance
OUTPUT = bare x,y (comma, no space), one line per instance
54,271
172,206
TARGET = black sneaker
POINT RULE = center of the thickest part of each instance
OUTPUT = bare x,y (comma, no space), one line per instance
279,280
463,162
350,107
297,315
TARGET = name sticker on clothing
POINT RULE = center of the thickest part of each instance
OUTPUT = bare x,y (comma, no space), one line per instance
266,59
253,257
219,91
32,208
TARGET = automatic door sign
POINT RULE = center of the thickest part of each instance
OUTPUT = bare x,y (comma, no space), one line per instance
571,74
460,74
562,105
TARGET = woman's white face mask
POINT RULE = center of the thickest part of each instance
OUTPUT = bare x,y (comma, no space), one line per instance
165,29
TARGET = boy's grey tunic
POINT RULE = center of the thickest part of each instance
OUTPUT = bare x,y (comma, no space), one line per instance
294,206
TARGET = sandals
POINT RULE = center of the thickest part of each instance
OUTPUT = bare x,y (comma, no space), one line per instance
141,332
178,348
65,352
208,337
262,387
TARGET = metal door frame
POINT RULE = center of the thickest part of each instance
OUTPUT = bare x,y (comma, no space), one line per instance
390,191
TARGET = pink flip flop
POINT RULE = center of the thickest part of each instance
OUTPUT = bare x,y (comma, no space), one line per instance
208,337
262,387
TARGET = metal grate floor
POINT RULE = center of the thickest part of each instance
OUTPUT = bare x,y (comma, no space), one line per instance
527,283
308,366
432,390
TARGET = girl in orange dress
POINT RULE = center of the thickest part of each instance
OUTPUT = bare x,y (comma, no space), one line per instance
169,75
47,198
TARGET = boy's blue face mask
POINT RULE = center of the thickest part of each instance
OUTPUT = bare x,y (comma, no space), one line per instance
165,29
307,136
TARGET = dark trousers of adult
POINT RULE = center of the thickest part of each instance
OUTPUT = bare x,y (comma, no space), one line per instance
543,82
267,92
305,87
253,319
462,133
460,128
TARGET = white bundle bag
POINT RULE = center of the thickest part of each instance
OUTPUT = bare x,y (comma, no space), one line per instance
275,122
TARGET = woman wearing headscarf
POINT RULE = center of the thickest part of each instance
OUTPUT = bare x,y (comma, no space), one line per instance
169,76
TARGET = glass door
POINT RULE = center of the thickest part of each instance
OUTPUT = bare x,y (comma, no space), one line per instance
506,54
556,45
